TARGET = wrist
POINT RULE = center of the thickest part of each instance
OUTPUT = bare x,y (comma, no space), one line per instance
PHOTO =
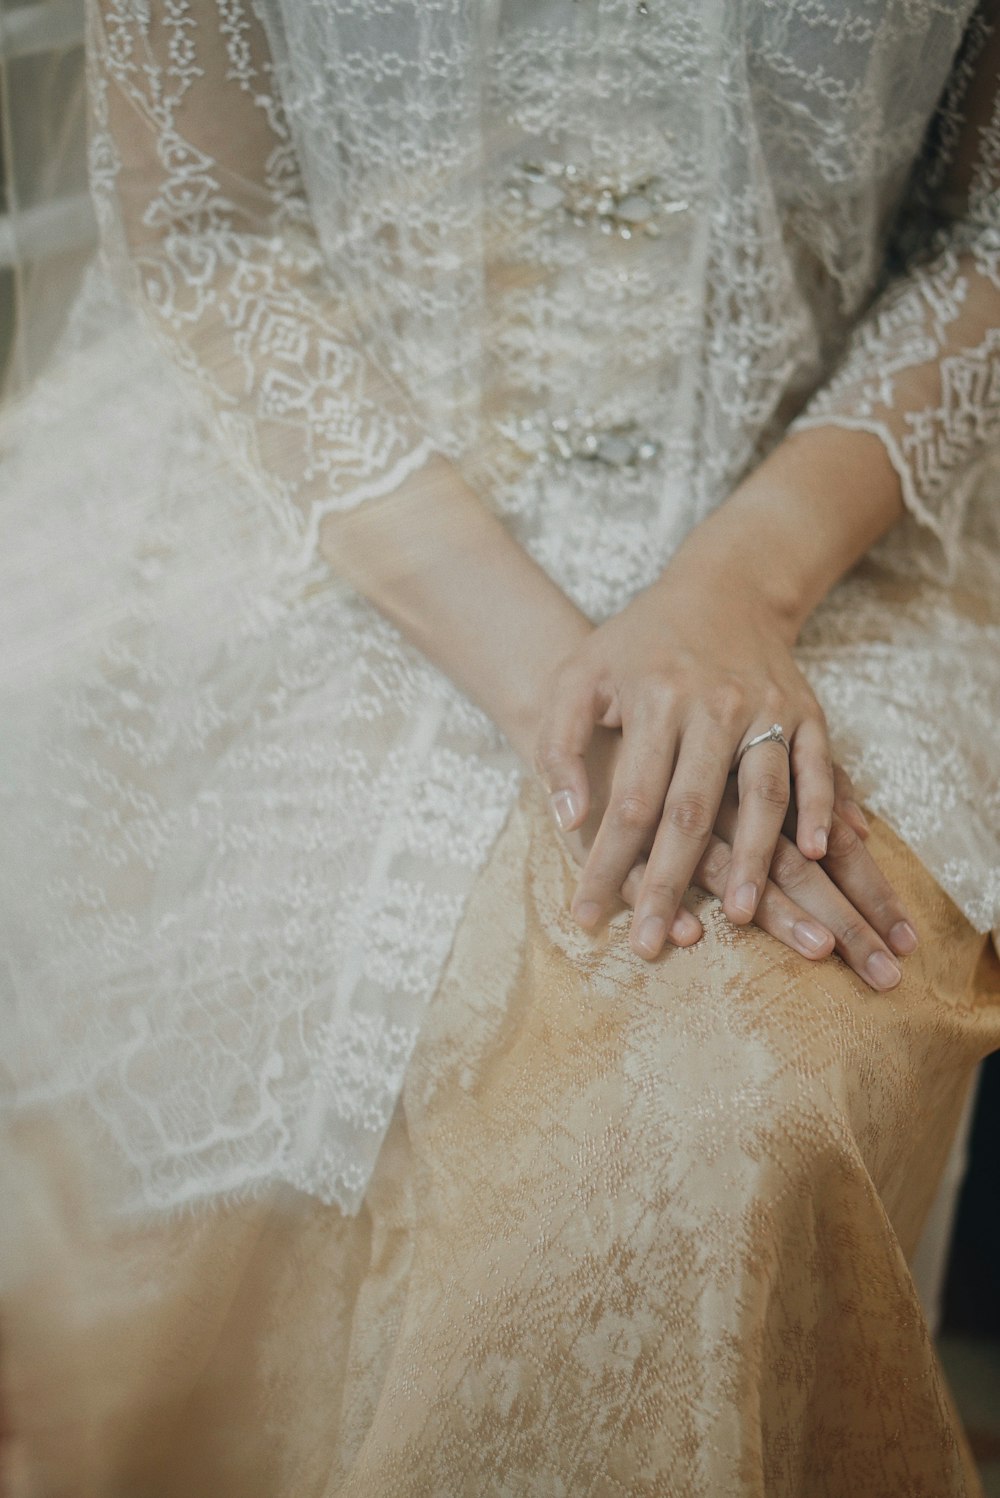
727,558
524,693
799,522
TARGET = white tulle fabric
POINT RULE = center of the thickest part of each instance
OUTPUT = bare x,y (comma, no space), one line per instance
600,254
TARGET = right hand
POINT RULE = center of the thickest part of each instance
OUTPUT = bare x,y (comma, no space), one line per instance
842,903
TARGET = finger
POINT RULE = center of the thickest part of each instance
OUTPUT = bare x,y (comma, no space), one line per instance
855,872
857,942
688,818
725,822
729,811
687,930
633,811
866,889
563,738
633,882
764,792
812,775
846,802
776,913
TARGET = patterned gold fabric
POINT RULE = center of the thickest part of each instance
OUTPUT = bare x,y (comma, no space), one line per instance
635,1230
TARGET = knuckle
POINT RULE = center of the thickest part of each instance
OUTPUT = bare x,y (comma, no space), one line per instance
690,815
885,908
843,841
716,862
788,867
661,890
852,931
634,811
661,686
548,756
727,704
772,788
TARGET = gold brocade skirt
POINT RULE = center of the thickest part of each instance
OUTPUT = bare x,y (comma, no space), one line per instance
635,1230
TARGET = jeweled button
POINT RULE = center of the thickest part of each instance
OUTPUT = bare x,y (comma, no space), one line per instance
544,195
635,209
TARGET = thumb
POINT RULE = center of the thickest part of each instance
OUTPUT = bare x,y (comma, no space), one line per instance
563,740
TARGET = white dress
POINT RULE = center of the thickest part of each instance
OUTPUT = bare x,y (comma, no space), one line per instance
600,254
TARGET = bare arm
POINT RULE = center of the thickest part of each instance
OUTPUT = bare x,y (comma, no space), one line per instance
801,520
435,561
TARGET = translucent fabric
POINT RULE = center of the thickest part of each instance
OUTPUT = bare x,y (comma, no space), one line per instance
48,233
599,256
635,1230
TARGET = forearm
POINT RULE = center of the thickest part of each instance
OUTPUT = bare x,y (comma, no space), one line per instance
801,520
437,563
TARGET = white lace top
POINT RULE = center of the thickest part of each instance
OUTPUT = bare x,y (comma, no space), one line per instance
599,252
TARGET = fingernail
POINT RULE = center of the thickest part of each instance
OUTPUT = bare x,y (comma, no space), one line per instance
855,810
587,913
565,808
810,938
651,934
819,839
685,928
745,899
882,971
903,939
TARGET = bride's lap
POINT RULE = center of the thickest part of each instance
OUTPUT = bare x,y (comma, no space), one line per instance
662,1209
636,1228
736,1050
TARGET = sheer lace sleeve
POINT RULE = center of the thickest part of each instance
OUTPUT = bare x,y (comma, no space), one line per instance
922,368
204,220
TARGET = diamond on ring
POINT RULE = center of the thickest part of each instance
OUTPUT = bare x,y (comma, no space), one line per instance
773,735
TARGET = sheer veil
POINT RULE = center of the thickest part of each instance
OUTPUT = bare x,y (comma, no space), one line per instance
49,232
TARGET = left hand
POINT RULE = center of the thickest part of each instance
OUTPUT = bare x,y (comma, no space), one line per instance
690,670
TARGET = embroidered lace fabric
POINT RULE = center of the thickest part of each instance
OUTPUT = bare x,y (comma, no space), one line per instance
600,255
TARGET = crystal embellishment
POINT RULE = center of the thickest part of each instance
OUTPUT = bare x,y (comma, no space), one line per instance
625,208
580,436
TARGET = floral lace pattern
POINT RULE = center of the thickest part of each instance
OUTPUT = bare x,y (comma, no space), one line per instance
599,254
220,255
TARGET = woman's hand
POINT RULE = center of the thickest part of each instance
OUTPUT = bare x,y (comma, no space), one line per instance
843,904
691,670
699,664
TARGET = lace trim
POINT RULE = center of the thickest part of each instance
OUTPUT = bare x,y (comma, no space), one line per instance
945,523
